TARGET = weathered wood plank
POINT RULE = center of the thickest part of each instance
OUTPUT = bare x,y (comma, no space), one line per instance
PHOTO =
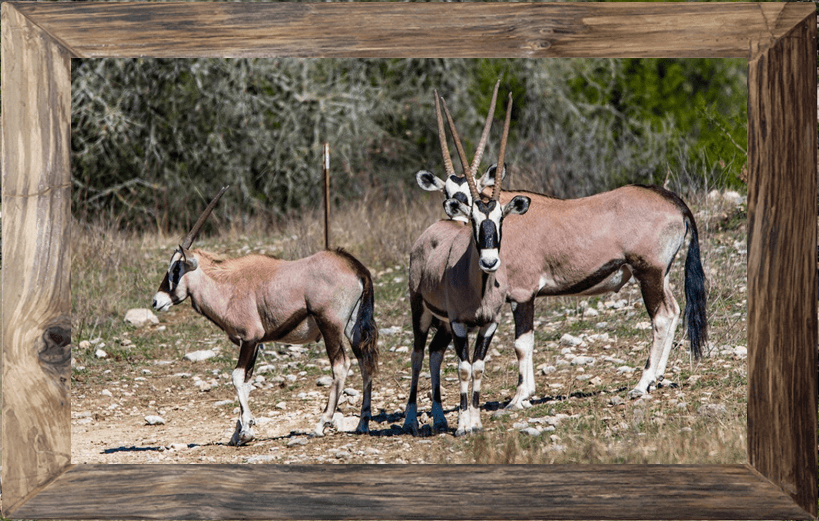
36,84
36,96
411,492
782,208
413,29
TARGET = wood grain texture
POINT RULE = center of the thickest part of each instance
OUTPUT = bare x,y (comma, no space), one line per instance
407,30
36,219
782,320
37,40
411,492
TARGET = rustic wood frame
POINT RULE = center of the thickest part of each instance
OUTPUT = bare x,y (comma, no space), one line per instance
779,41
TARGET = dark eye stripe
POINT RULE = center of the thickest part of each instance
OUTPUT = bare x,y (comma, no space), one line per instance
461,197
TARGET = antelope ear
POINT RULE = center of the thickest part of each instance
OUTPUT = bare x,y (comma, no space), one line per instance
519,205
190,260
488,178
429,181
455,208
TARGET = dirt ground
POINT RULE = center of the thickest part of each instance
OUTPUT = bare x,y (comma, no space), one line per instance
581,401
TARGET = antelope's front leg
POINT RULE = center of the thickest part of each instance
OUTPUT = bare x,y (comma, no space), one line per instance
437,348
481,347
421,321
464,376
241,381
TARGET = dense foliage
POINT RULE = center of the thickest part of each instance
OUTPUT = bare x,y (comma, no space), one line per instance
153,139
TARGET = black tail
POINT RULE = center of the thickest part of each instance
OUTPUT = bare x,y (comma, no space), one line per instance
365,330
365,334
695,295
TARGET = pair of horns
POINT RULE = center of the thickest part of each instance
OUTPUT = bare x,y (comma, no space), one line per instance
470,172
197,227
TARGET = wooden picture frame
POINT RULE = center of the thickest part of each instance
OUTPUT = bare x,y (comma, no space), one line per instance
778,482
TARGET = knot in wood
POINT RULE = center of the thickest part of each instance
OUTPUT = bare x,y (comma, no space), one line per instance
54,349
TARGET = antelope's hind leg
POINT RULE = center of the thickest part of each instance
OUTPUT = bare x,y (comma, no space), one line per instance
664,312
241,381
340,363
366,402
524,314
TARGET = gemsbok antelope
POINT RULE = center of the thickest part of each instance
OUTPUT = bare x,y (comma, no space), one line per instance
590,246
257,298
458,283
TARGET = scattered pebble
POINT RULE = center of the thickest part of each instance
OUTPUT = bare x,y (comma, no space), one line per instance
325,381
616,400
199,356
570,340
297,441
583,360
154,420
140,317
712,410
387,331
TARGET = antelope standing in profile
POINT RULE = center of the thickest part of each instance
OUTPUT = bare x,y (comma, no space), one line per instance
257,298
458,283
590,246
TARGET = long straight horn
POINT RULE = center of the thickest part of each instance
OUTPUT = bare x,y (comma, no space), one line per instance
476,161
450,170
456,137
197,227
496,190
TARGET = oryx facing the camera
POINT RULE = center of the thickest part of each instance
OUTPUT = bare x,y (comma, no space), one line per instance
458,283
257,298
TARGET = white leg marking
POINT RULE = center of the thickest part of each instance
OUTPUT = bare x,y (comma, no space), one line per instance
340,370
524,346
663,333
244,427
673,309
464,376
475,411
489,329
